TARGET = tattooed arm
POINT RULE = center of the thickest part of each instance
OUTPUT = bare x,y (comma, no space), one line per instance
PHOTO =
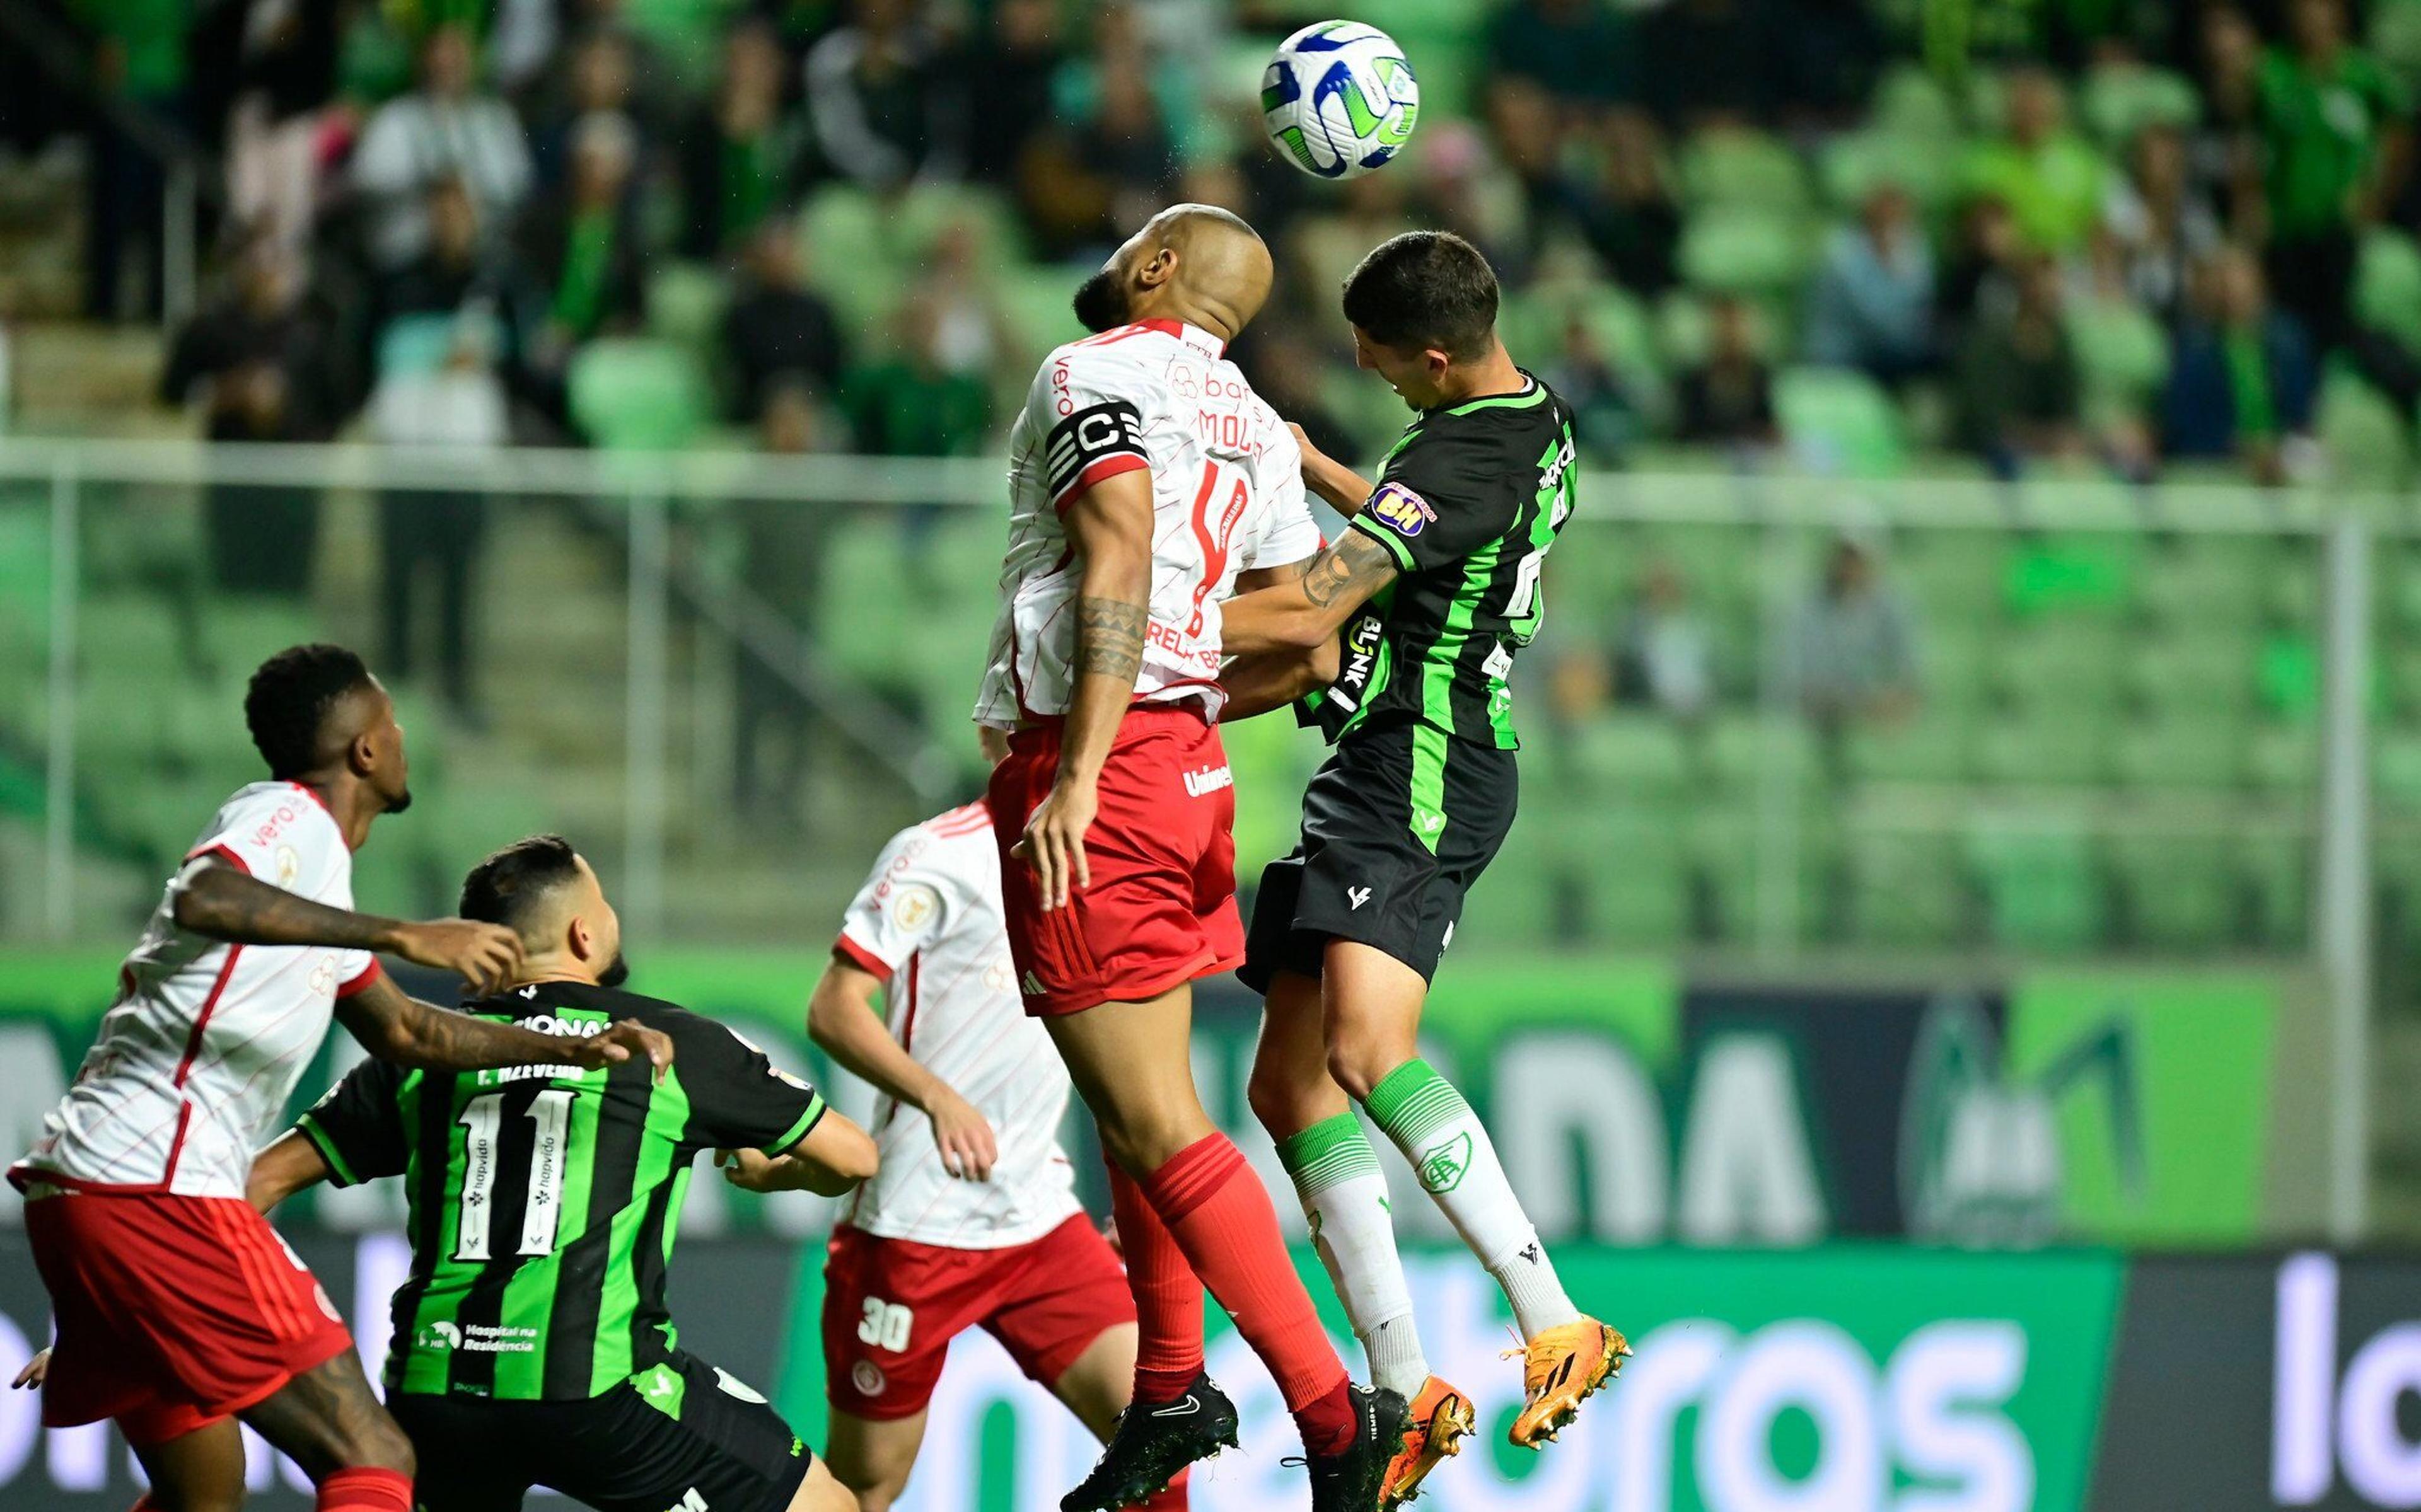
212,898
408,1032
1307,613
1110,526
1265,680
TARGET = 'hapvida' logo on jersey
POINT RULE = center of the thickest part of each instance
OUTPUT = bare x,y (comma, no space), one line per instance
1208,780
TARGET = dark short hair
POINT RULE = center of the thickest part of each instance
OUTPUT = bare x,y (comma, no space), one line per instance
288,703
508,886
1422,290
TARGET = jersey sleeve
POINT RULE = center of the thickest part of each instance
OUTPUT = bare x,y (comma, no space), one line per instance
739,1098
358,1126
281,837
1441,501
1086,412
1288,532
906,904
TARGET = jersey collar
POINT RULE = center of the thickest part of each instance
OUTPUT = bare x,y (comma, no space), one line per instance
1187,332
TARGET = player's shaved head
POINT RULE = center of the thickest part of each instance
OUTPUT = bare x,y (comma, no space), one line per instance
1195,263
316,713
544,891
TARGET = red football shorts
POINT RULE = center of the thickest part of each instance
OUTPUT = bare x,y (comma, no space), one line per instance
892,1307
171,1311
1162,908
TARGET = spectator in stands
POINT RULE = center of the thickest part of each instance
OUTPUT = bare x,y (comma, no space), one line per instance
2224,152
1526,128
1107,166
1871,307
432,538
1664,653
1461,187
2334,122
2163,222
1579,51
885,105
1285,367
286,78
1707,59
599,83
138,68
781,565
1979,279
1606,411
443,129
466,273
740,154
2243,381
2053,180
1627,211
584,241
1853,649
1009,84
931,397
778,336
1727,397
260,366
2019,394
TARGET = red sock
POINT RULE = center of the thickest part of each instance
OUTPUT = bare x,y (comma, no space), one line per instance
1220,1215
365,1491
1168,1294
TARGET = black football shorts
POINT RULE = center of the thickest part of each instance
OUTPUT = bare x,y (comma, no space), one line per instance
1397,825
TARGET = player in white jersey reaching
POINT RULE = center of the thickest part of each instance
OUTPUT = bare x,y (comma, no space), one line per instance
1149,482
178,1310
972,1220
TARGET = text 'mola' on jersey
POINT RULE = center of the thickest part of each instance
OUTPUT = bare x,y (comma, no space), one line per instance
1226,491
929,922
195,1060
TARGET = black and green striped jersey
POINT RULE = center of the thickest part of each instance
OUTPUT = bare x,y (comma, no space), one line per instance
544,1200
1468,503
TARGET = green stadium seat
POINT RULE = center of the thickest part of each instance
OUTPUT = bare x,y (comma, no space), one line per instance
1526,899
1840,421
2042,892
1628,756
1954,574
1538,319
685,304
2289,676
2289,593
2387,286
1857,163
1738,748
1935,746
1034,301
2396,768
1744,249
2121,101
630,394
2071,575
865,615
2202,577
2284,759
2209,672
1909,101
2368,442
2177,751
1739,167
849,256
2395,39
1904,890
2061,665
2178,891
2122,356
2274,871
1633,884
2049,751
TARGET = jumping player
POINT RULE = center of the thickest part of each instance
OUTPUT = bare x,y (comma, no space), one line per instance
1435,585
972,1220
1147,479
177,1308
532,1343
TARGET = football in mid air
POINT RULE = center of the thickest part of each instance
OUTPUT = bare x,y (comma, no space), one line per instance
1339,100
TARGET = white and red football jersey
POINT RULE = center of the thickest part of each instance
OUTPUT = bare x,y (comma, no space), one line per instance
194,1061
1226,489
929,922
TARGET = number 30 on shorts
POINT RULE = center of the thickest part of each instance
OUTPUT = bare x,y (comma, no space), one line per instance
885,1325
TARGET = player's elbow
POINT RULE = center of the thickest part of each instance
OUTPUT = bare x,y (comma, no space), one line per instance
854,1158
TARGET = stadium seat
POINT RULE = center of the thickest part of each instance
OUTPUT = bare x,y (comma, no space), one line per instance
2178,752
2122,355
1629,864
2071,575
1034,301
866,616
2395,39
2042,891
1744,249
1855,163
1840,422
1741,167
1538,319
1904,889
2119,101
637,395
2396,768
2053,750
2368,440
2387,286
2065,667
1935,746
2201,578
2283,760
2274,872
1909,101
685,303
1628,757
1525,902
2209,672
2178,892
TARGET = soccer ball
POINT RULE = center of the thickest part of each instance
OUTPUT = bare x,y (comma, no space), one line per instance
1339,99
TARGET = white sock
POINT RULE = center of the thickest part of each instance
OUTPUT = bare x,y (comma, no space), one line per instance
1344,1196
1457,1164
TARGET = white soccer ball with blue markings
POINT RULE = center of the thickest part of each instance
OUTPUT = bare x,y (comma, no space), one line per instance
1339,100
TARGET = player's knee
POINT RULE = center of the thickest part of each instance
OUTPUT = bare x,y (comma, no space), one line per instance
1274,1098
380,1444
1356,1068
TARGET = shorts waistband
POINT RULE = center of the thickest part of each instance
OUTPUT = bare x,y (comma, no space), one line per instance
1046,728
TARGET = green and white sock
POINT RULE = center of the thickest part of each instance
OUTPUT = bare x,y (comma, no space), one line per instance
1456,1162
1344,1194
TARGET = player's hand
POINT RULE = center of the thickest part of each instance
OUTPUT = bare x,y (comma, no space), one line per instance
963,1135
620,1042
749,1170
1053,845
487,956
37,1371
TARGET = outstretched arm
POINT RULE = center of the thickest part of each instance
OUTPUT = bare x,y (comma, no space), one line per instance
836,1156
1309,611
408,1032
216,897
842,1021
1265,680
290,1166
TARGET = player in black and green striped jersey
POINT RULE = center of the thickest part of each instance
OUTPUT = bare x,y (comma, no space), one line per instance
1434,584
532,1343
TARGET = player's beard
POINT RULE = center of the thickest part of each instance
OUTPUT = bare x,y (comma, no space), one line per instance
616,975
400,802
1099,303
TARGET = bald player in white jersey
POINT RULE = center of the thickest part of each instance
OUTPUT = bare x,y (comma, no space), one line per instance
972,1220
1148,482
178,1310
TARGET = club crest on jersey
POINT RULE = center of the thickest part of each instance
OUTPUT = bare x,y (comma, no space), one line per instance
914,905
1400,509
